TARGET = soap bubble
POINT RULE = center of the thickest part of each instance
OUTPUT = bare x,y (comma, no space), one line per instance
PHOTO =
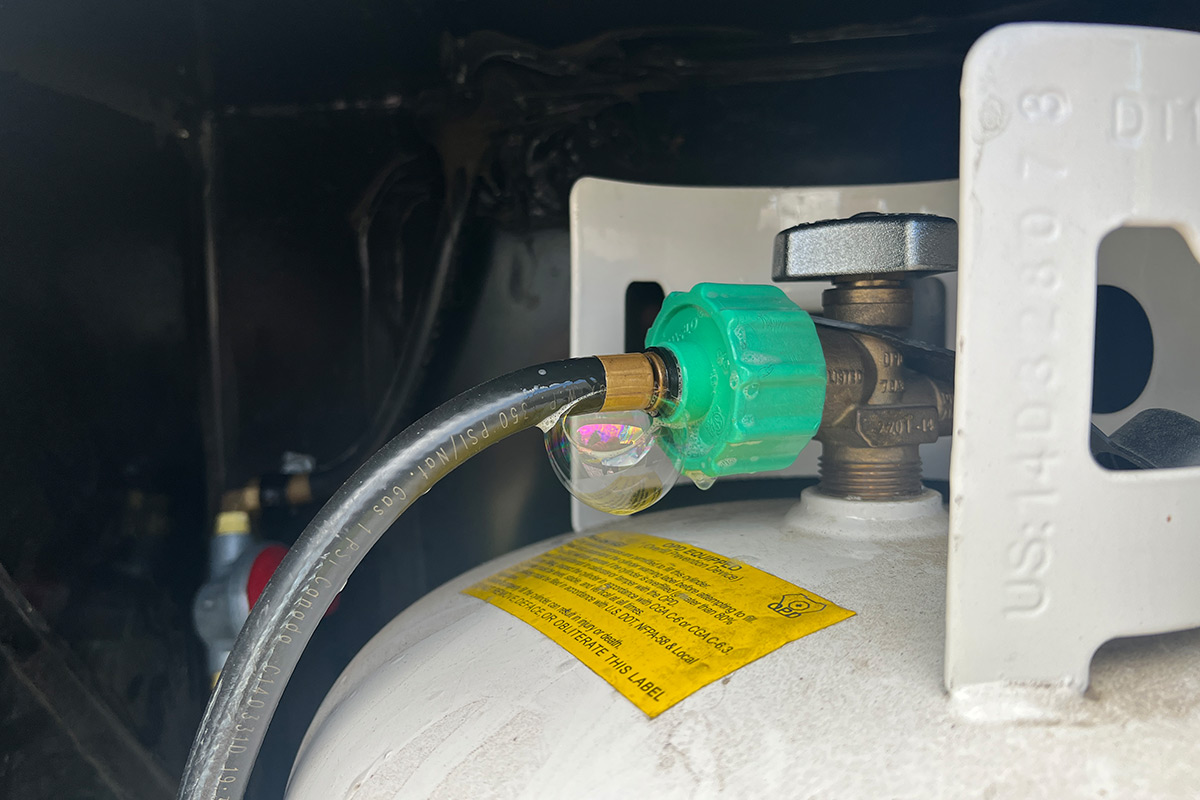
612,461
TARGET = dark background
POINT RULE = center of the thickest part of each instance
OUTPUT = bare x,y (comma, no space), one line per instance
186,193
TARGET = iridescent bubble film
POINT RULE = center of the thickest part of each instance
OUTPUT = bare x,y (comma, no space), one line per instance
611,461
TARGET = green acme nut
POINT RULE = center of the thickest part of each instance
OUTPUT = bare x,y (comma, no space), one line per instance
752,378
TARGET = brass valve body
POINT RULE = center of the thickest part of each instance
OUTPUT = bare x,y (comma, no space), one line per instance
877,411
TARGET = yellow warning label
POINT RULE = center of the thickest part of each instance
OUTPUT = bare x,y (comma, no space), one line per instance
657,619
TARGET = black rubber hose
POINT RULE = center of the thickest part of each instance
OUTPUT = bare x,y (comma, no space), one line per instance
318,565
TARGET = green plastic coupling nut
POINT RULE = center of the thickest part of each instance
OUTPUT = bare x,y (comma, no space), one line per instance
752,378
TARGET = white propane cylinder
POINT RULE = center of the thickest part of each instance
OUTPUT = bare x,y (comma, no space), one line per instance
456,698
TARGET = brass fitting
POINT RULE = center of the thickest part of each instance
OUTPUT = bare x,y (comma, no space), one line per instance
297,490
877,411
634,381
880,301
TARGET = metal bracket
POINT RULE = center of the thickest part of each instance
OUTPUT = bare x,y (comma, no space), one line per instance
1068,132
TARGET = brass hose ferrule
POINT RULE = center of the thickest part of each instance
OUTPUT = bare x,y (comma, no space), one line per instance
634,381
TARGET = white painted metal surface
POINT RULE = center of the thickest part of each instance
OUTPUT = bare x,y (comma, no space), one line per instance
679,236
457,699
1068,132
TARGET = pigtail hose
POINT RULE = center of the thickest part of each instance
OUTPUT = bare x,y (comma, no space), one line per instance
319,564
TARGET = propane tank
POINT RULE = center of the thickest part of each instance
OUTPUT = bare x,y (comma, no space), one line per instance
457,698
